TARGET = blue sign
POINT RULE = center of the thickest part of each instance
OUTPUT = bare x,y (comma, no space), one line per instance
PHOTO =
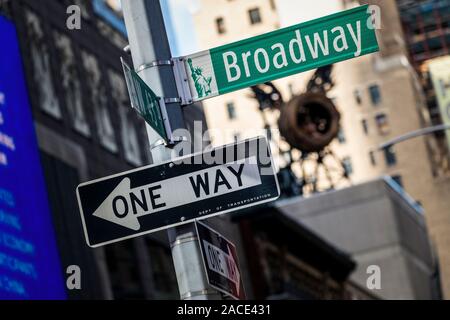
29,262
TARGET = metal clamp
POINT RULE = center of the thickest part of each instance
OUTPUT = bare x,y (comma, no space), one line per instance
206,292
179,139
172,142
172,100
181,79
160,142
156,63
183,240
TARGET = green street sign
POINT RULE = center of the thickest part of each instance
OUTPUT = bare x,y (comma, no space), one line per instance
281,53
144,101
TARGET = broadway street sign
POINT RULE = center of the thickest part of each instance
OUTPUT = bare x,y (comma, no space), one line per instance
144,101
157,197
338,37
220,259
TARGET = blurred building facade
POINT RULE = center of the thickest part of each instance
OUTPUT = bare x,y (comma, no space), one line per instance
289,261
379,96
427,34
380,225
86,129
426,26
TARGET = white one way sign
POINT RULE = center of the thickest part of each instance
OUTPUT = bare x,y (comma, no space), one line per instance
220,258
125,205
157,197
222,263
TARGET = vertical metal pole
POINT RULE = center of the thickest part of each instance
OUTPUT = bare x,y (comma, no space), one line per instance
149,43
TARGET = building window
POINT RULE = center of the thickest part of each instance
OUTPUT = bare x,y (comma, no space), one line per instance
348,166
357,95
163,271
341,136
291,89
98,98
41,64
255,16
122,263
70,81
375,94
390,157
273,5
382,124
130,132
365,126
372,158
105,129
398,179
350,4
220,25
130,138
231,111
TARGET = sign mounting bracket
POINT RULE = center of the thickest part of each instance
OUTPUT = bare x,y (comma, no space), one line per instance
171,140
182,81
156,63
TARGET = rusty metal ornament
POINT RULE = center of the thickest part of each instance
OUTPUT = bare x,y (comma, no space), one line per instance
309,122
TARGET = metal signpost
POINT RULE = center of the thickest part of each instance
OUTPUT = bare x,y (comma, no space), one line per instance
152,59
220,259
281,53
162,196
146,103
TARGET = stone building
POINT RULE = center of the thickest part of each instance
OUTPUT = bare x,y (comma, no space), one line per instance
86,129
379,96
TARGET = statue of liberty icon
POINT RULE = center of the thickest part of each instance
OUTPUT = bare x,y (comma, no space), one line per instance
202,83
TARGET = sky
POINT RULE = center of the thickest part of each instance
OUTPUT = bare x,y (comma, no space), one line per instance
183,39
179,23
178,15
